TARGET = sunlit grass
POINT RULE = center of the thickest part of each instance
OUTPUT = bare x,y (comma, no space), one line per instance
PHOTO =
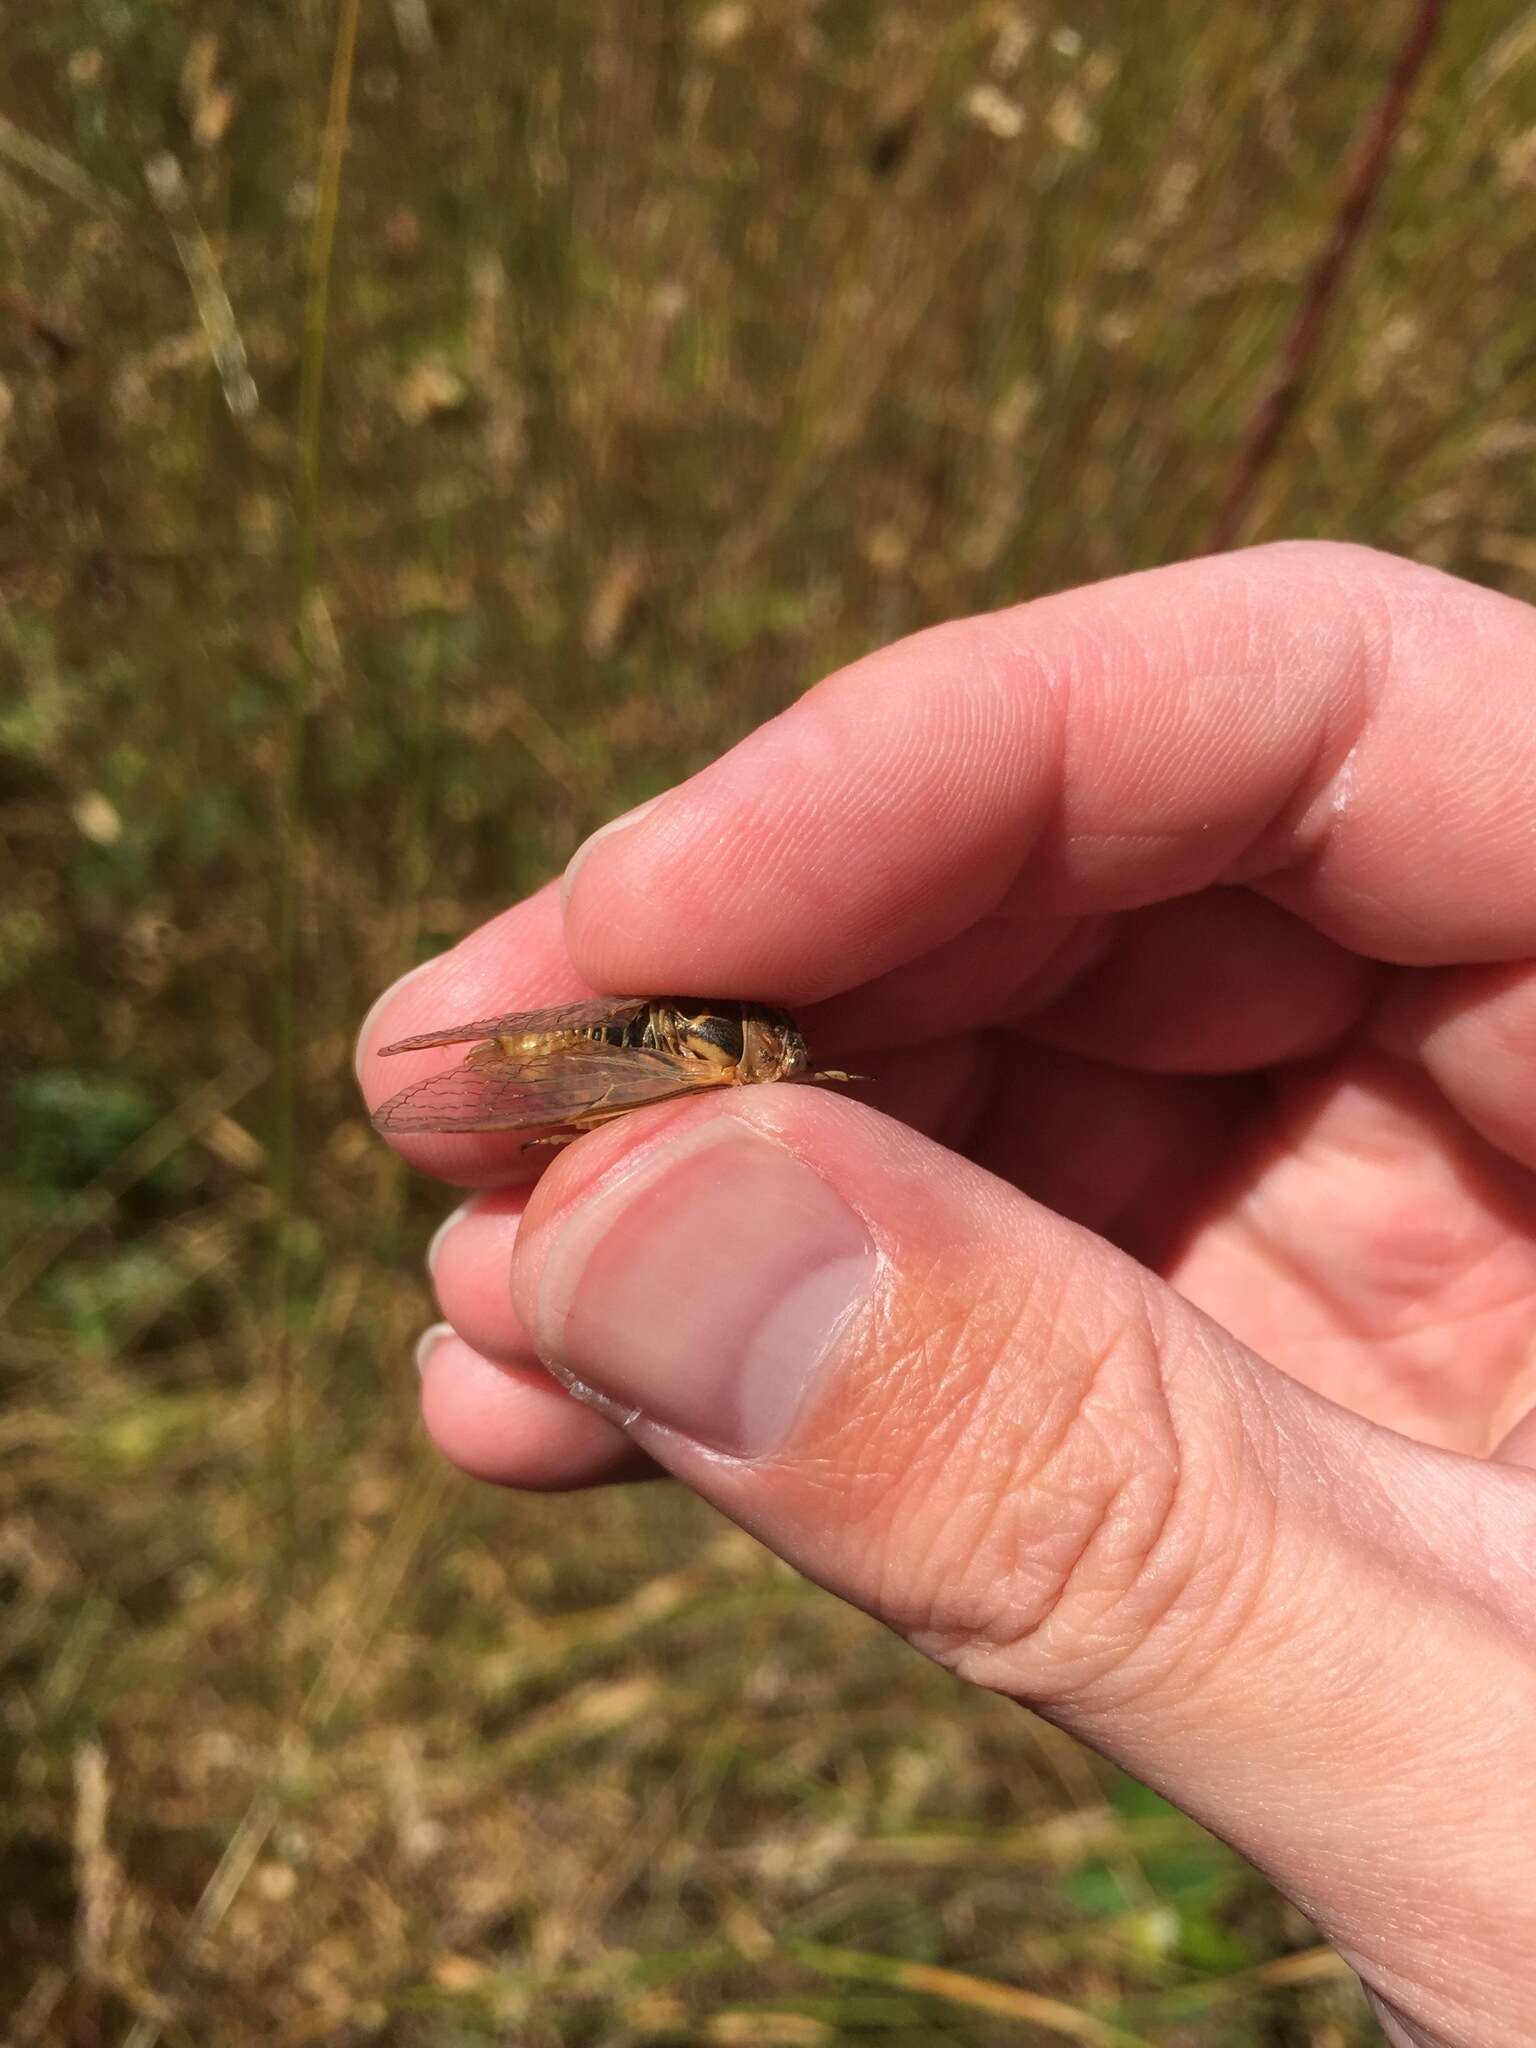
672,355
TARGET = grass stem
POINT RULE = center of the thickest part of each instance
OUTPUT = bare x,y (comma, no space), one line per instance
1304,337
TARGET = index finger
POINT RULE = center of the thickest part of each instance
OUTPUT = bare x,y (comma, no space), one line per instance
1351,735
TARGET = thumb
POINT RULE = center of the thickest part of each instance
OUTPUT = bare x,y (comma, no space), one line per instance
1050,1472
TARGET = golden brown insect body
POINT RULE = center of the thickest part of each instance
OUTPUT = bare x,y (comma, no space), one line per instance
555,1073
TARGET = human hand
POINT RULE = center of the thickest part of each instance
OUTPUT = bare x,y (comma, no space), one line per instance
1161,1348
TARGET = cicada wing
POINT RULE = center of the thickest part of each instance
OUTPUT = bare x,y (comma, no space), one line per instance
522,1023
541,1091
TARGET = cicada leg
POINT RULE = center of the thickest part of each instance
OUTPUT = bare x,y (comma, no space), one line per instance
567,1133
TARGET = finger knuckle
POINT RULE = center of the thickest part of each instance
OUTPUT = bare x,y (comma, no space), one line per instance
1085,1546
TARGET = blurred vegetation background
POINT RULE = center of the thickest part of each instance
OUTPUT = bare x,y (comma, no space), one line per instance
373,523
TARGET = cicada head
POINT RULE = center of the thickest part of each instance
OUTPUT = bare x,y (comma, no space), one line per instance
772,1048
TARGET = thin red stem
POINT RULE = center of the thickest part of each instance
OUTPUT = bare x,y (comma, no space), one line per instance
1303,338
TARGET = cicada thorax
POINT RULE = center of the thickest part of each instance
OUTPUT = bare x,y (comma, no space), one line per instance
712,1034
733,1042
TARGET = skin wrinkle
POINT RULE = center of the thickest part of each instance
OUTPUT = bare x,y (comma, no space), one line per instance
1380,1528
1397,2030
1186,1513
1000,759
1217,983
1101,1538
898,1331
1463,1319
1317,791
952,1415
1391,1356
1177,1491
1030,1333
1472,1031
1157,676
1023,743
1314,793
1509,1567
1464,2025
981,1525
1363,690
1031,744
1424,599
1337,1875
1236,1577
1367,666
1264,1239
1388,1139
883,1506
1205,1610
1302,1133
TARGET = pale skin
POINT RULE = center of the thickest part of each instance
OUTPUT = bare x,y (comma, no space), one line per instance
1183,1381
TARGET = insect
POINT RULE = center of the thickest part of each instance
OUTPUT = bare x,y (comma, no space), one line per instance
556,1073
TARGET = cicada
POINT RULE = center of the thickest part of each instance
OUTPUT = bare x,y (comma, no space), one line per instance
553,1074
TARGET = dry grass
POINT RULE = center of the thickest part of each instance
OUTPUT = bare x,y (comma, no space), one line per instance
672,354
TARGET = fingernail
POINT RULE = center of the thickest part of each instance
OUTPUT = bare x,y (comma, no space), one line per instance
365,1033
619,824
428,1342
436,1243
706,1289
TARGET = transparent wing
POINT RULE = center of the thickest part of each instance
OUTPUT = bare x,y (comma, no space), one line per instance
562,1017
541,1091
